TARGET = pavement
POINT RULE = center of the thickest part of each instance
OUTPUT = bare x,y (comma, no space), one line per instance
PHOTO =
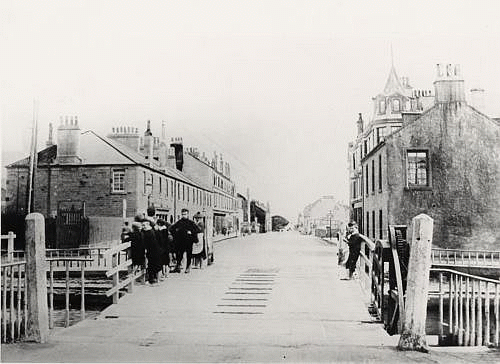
274,297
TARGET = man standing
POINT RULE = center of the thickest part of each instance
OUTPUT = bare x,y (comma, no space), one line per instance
185,233
354,241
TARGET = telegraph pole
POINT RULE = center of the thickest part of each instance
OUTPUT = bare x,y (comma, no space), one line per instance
33,160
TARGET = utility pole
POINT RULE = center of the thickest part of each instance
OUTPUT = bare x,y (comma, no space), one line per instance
33,161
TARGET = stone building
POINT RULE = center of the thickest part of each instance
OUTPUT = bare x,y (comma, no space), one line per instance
443,161
116,177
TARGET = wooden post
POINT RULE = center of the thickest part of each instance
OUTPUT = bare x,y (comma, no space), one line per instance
36,279
413,335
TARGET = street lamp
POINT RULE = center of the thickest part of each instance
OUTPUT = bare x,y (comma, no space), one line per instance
330,216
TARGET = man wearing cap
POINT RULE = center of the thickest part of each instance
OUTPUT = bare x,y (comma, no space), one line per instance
185,233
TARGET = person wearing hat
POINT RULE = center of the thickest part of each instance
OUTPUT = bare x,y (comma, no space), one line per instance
185,234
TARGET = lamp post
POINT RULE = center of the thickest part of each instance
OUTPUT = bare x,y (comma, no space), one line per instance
330,217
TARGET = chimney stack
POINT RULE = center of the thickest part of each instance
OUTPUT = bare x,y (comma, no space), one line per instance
148,143
176,143
449,85
68,141
360,124
50,142
477,99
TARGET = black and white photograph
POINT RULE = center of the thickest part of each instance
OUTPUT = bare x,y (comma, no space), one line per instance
227,181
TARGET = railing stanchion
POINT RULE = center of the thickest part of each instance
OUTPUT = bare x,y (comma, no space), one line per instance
497,314
461,315
473,335
67,293
19,300
51,295
82,302
12,310
487,314
467,313
441,333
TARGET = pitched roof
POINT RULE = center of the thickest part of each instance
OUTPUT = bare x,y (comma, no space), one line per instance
99,150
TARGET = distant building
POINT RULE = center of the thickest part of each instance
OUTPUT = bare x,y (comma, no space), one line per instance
324,214
441,160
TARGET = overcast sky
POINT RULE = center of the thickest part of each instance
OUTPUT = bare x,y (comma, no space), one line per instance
275,86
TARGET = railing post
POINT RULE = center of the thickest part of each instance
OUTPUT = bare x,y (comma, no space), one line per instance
417,291
10,246
36,280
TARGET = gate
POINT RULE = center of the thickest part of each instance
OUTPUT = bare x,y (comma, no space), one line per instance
71,224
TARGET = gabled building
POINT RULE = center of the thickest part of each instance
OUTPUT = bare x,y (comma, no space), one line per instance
109,176
324,214
443,161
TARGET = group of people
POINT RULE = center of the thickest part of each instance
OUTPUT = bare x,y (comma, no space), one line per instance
160,247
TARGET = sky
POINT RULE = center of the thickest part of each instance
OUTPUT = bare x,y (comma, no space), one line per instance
275,86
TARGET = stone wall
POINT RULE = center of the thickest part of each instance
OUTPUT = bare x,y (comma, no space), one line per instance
464,196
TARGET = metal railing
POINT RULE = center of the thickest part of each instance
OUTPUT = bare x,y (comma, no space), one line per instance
468,258
473,317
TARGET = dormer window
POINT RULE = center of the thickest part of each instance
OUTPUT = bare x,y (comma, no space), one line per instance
381,107
396,105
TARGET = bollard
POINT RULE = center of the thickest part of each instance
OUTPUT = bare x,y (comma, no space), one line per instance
417,289
37,328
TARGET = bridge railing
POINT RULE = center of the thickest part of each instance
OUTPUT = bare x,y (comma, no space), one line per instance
121,261
365,263
14,303
470,258
471,316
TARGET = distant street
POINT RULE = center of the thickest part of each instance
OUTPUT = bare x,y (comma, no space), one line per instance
273,297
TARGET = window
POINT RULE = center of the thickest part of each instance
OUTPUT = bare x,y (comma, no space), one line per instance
118,181
145,181
417,168
366,178
367,232
373,224
381,107
159,178
396,105
380,173
381,134
380,229
373,175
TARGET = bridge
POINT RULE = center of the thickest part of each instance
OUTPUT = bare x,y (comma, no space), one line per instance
268,297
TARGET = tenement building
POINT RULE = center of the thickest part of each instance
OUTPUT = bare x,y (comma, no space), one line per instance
428,152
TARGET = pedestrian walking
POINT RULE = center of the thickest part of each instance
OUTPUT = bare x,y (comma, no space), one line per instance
153,252
164,236
199,249
185,233
354,241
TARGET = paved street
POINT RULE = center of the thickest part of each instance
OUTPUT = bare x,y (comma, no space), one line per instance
274,297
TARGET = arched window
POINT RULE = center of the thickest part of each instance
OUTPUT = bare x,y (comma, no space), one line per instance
381,106
396,105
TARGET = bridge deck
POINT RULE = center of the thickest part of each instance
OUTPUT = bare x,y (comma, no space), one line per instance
267,298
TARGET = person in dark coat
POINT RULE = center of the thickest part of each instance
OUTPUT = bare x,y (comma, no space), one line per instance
137,250
164,238
153,251
185,233
354,241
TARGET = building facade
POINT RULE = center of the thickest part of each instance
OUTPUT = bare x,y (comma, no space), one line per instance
115,177
442,160
324,217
